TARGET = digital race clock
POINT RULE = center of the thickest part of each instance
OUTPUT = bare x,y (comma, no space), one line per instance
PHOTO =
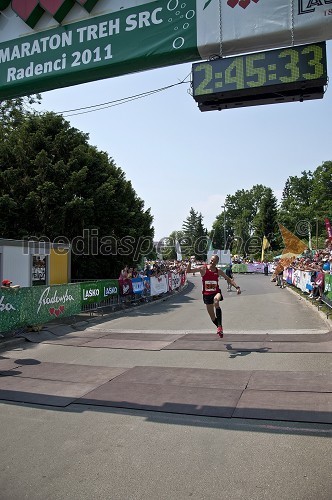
289,74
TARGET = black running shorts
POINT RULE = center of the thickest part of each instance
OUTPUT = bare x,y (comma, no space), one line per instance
209,299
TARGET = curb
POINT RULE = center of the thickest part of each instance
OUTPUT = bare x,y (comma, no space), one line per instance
10,343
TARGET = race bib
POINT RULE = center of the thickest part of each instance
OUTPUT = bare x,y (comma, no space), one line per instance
211,286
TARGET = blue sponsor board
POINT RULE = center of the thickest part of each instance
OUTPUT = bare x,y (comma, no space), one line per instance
138,285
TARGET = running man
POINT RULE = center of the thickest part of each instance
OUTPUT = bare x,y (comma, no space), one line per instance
211,291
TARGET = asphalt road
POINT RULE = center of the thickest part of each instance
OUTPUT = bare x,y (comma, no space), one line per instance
261,306
85,453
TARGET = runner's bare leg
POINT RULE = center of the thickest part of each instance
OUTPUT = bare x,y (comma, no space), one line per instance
216,304
210,310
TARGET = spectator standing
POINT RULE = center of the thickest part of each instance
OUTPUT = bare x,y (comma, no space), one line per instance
7,284
229,273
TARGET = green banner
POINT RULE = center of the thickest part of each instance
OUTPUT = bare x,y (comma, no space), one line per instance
41,304
90,292
129,40
109,288
93,292
44,303
240,268
328,286
10,309
37,305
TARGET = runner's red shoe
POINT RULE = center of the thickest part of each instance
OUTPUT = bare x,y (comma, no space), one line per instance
220,332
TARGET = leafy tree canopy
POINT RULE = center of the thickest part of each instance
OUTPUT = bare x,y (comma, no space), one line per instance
254,213
194,241
307,201
249,214
54,184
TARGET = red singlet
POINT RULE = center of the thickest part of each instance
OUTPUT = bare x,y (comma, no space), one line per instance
210,282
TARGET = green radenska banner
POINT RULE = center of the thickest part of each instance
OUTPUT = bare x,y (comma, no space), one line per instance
42,304
36,305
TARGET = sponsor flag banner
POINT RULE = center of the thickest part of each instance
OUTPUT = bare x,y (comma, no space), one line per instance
126,287
169,281
305,281
289,277
176,280
147,286
309,284
265,245
159,285
293,245
137,285
178,250
328,229
296,278
328,288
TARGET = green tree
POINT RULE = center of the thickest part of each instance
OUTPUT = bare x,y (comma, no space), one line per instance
321,193
169,248
194,241
321,200
295,208
241,210
54,184
217,234
251,214
265,220
13,111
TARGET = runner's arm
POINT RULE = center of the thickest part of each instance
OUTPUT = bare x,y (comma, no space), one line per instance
230,280
195,269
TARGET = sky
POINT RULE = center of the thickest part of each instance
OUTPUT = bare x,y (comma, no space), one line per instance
178,157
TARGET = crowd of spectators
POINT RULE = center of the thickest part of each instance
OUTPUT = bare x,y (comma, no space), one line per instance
315,260
239,259
159,267
318,263
154,268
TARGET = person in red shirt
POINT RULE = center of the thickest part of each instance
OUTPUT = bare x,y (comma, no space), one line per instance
212,295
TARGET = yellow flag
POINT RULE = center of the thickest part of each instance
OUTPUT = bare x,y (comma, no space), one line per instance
293,245
265,245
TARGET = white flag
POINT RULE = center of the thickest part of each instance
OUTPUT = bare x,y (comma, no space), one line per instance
178,250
